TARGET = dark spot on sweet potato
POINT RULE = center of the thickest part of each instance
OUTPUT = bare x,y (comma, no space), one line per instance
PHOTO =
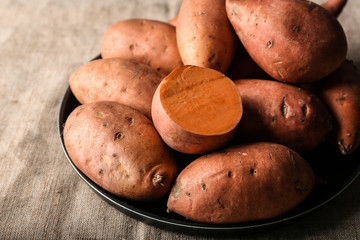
101,171
221,205
131,47
304,110
131,121
269,44
302,69
211,36
270,156
284,106
200,13
273,119
104,124
252,171
212,57
114,155
188,194
342,98
230,174
296,29
118,135
203,186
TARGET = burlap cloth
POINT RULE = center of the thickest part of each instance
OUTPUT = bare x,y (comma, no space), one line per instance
41,197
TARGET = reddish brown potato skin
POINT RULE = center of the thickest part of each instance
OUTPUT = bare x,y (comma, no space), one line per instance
243,183
293,41
341,93
149,42
204,34
281,113
116,79
118,148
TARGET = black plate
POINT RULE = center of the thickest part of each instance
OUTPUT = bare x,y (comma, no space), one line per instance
336,171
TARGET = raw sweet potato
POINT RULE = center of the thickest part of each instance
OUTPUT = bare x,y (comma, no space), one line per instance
204,34
281,113
196,109
119,149
294,41
341,93
146,41
243,183
116,79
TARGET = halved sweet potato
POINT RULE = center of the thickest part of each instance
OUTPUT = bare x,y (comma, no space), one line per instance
196,109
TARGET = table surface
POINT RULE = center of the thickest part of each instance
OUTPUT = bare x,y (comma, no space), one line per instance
41,196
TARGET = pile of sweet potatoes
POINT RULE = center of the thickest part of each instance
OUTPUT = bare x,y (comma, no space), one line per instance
247,86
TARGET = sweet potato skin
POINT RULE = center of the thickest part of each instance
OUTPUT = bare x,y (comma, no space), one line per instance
293,41
340,92
204,34
282,113
146,41
247,182
118,148
116,79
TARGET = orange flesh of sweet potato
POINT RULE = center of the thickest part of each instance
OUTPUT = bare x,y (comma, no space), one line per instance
202,101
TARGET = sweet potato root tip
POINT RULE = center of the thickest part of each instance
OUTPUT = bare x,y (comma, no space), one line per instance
335,7
201,100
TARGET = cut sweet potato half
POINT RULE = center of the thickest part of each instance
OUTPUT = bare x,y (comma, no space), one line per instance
196,109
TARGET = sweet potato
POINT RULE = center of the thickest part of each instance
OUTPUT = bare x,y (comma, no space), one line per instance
196,109
281,113
341,93
116,79
204,35
243,183
294,41
119,149
146,41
